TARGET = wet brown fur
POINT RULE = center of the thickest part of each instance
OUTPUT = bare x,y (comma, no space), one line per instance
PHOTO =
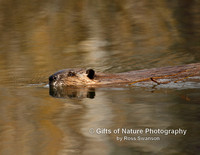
78,77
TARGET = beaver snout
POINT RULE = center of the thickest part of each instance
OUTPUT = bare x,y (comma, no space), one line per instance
53,79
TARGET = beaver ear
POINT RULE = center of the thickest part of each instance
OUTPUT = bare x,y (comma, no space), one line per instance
90,73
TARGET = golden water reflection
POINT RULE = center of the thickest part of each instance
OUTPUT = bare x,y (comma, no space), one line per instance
50,125
108,35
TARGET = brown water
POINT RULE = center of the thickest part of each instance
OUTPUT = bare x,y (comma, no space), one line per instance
38,38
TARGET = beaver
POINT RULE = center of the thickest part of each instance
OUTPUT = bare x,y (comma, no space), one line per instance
88,77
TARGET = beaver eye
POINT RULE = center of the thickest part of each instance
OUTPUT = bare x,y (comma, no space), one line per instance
71,74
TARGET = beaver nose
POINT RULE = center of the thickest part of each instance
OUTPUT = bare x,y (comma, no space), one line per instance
52,78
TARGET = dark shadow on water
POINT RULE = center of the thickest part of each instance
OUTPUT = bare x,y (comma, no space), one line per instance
71,92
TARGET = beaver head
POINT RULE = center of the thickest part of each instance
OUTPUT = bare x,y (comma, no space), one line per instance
69,77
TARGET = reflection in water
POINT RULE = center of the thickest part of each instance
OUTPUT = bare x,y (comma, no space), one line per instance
71,92
53,126
38,38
